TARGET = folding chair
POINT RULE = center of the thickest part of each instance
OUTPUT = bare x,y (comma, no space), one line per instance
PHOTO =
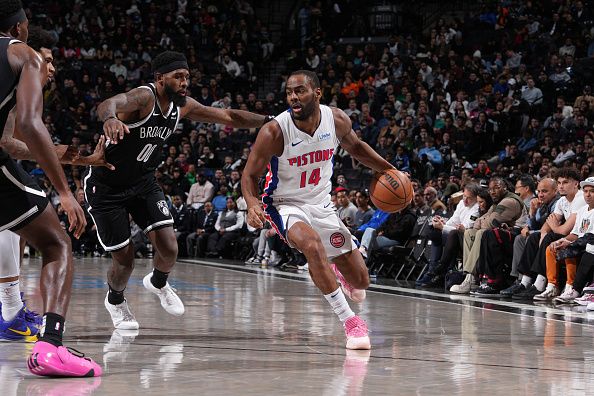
388,257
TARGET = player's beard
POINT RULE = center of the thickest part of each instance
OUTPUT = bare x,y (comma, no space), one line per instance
177,99
306,110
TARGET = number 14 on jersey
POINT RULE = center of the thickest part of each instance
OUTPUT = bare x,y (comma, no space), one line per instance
314,178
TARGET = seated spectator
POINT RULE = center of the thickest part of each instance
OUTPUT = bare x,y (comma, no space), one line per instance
181,222
207,159
435,204
378,218
139,240
219,202
532,94
565,153
394,231
202,191
364,211
454,244
234,184
432,153
227,228
345,208
467,211
446,187
506,209
532,263
584,224
353,197
401,160
540,209
420,205
261,247
525,188
203,224
180,186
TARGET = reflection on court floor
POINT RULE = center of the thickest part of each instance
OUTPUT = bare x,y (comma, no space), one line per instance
252,333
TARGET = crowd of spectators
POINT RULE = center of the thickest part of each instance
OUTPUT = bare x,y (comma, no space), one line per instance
496,97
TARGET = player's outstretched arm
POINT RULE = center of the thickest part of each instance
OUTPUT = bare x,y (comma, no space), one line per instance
17,149
357,148
29,121
137,99
269,142
235,118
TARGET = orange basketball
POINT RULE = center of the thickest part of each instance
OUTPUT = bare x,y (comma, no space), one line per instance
391,191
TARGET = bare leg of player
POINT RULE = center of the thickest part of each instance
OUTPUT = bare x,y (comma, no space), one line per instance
165,247
14,321
304,238
49,357
121,268
352,274
47,236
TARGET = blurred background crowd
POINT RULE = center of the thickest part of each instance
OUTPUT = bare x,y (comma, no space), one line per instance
454,93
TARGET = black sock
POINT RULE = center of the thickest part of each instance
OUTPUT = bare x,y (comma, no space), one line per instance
115,297
53,328
159,279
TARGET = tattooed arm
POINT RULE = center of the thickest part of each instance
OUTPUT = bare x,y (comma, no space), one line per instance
136,100
17,149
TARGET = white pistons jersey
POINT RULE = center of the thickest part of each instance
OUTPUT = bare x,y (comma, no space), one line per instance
302,173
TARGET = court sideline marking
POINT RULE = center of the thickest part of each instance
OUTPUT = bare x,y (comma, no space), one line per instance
492,304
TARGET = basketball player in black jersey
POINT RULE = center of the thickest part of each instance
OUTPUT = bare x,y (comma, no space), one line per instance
12,326
137,125
25,208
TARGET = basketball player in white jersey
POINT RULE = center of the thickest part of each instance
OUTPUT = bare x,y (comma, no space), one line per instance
298,147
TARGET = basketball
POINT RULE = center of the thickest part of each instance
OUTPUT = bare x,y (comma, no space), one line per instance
391,191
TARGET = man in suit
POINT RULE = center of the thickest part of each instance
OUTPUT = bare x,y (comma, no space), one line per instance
181,220
203,223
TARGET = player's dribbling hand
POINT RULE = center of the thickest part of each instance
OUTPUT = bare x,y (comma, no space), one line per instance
76,216
114,129
255,217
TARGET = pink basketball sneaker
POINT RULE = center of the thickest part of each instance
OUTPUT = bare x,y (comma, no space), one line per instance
356,295
50,361
357,334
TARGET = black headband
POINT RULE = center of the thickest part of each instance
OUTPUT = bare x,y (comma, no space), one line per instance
12,20
180,64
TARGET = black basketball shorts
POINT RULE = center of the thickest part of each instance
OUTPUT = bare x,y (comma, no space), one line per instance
110,208
21,198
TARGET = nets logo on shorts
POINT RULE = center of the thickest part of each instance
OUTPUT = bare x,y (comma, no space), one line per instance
162,205
337,240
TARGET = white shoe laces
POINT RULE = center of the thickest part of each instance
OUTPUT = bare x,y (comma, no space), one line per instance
169,295
123,311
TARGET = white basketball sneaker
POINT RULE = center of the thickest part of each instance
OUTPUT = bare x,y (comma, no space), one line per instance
169,300
121,315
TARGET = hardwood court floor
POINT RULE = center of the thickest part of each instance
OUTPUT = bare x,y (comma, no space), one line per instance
257,333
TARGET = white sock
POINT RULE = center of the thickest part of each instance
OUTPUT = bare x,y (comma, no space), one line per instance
339,305
10,297
526,281
540,283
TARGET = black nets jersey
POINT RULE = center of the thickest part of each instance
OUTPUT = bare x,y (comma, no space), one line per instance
138,153
8,84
